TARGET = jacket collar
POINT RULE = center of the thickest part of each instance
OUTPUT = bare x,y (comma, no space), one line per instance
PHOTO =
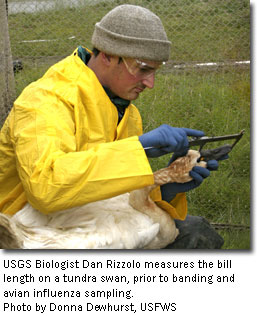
121,104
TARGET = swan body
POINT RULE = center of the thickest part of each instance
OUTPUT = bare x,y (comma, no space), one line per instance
128,221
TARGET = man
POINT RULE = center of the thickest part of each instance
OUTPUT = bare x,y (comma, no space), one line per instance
74,137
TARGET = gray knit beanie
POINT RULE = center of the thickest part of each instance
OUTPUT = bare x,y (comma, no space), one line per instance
132,31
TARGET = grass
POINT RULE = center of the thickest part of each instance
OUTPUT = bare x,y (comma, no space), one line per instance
199,30
217,102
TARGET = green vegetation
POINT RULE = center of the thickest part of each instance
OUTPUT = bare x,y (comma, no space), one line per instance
216,101
211,30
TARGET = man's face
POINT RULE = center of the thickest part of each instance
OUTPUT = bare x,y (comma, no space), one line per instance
129,77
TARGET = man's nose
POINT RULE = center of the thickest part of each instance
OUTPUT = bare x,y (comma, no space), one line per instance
149,81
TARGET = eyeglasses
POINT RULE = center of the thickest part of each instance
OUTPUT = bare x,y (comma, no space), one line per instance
140,69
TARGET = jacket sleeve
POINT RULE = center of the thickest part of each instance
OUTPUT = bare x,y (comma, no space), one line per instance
177,208
56,176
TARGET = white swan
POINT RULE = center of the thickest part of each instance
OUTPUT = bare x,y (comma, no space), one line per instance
127,221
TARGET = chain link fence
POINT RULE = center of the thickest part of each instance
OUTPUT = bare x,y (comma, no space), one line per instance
201,31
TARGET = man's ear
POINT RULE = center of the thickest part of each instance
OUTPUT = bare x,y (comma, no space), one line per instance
106,59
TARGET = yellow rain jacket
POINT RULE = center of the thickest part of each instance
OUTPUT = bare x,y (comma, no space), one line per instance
61,146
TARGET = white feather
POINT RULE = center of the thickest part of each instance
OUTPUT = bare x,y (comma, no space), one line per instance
123,222
108,224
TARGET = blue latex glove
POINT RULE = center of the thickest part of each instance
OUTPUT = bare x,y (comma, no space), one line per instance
166,139
170,190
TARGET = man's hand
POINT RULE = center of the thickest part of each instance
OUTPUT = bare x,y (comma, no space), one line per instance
170,190
166,139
